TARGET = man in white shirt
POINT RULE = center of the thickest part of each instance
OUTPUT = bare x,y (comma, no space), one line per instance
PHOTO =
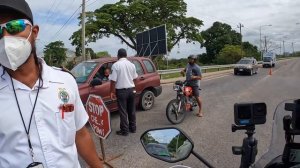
42,119
122,85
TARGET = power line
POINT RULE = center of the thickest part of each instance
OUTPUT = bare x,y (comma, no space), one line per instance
58,16
91,3
50,10
58,32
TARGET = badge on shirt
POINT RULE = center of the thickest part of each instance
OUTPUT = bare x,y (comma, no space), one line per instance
63,95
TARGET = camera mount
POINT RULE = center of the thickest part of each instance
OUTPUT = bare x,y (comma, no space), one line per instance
249,148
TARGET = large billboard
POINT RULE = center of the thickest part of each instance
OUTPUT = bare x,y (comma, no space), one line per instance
152,42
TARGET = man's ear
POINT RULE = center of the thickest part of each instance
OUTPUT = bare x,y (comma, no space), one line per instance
35,31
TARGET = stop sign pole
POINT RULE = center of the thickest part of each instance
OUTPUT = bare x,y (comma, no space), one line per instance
99,119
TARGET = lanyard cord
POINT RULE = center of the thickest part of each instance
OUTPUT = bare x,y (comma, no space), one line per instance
27,131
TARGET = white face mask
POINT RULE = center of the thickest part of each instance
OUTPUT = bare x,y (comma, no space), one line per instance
14,51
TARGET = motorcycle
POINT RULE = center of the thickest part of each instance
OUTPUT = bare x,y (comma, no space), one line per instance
184,102
284,151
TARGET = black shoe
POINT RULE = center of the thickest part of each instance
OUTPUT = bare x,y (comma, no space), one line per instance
132,131
120,132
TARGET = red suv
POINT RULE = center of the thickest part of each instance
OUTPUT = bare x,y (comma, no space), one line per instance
147,84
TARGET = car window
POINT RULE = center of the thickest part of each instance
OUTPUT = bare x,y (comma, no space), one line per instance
103,72
267,59
244,61
149,66
138,67
83,70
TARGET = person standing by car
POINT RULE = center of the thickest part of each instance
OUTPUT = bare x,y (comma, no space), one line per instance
122,86
193,77
42,119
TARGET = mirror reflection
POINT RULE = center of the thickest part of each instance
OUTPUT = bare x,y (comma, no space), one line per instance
167,144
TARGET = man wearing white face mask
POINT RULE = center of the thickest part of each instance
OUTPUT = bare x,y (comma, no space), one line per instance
42,119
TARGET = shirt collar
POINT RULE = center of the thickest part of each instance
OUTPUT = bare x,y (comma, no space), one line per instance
122,59
3,80
47,76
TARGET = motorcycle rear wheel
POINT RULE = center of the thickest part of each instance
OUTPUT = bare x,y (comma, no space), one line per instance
173,116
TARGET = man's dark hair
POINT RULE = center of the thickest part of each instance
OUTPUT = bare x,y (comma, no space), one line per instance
122,53
192,57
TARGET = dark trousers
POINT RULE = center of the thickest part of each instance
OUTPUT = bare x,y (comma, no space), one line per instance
126,104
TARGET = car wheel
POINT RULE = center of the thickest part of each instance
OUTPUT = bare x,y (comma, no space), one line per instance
235,72
147,100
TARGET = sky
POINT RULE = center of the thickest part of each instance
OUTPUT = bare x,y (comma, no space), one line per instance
278,20
165,135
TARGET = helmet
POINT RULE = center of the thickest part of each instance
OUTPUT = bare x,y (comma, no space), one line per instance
193,57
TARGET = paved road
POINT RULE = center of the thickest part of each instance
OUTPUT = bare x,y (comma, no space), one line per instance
211,134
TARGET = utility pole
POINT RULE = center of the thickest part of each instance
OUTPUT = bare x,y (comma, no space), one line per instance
283,49
240,26
293,48
83,30
266,47
260,46
167,62
280,48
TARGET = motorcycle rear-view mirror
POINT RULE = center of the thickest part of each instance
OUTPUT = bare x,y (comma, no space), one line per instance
167,144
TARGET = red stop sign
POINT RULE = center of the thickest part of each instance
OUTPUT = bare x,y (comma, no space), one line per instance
99,116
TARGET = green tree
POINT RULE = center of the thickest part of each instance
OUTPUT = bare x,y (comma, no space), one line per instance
91,53
148,138
251,50
176,142
126,18
297,54
102,54
55,53
230,54
204,59
70,64
216,37
178,63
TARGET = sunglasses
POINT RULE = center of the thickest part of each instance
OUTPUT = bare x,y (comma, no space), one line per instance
14,26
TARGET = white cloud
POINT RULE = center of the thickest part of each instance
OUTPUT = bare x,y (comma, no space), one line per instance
282,14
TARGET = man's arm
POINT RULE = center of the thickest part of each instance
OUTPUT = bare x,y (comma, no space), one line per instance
86,148
183,72
112,89
198,75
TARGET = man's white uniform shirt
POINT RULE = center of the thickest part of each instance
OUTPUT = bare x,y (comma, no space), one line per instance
52,137
123,73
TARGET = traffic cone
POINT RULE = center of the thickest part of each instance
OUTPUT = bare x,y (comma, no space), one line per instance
270,71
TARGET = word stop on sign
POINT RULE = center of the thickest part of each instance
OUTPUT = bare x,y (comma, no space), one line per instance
96,109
